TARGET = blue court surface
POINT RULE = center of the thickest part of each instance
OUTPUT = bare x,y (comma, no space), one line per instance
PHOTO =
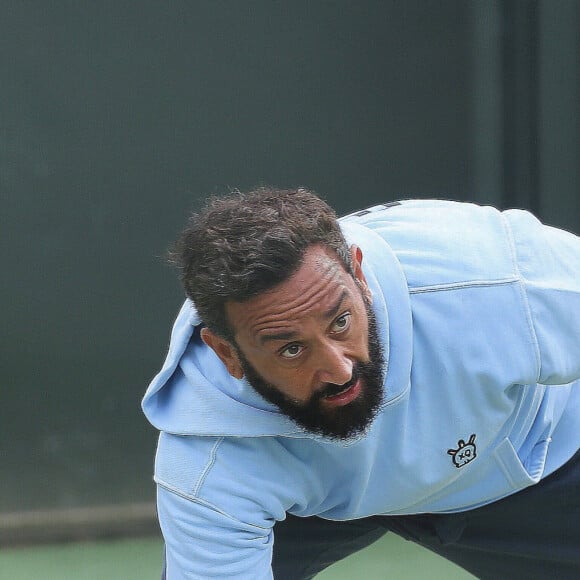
139,559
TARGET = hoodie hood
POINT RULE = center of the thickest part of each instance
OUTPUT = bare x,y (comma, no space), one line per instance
193,394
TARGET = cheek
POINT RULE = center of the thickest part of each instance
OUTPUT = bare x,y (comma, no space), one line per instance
294,383
285,379
363,347
361,336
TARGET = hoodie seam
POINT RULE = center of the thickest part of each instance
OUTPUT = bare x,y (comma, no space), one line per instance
524,295
463,285
196,500
207,468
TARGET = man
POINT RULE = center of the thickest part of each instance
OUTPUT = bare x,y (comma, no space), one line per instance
409,367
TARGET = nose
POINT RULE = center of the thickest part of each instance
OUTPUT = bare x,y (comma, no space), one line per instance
334,365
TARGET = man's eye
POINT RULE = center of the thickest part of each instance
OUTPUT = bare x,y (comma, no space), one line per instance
341,323
291,351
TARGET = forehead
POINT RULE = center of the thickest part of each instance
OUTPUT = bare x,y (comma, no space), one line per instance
315,290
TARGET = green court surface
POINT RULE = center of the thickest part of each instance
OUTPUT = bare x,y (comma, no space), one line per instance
139,559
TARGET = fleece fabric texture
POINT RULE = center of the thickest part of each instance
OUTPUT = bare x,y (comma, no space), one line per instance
479,313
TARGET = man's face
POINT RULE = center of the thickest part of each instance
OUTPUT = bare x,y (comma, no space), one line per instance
311,347
351,414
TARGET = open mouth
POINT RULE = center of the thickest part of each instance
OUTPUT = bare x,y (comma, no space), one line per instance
344,389
350,392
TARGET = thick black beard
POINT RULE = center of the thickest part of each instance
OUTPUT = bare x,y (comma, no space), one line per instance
340,422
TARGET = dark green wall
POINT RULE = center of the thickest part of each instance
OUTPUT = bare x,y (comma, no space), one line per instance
117,117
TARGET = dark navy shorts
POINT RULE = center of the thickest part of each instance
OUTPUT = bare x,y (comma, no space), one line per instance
533,534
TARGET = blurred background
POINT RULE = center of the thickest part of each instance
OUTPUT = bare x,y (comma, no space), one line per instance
117,118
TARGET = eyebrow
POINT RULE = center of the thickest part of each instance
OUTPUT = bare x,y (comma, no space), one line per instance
290,335
278,336
334,309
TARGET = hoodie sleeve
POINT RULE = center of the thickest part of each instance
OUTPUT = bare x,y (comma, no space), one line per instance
203,542
548,261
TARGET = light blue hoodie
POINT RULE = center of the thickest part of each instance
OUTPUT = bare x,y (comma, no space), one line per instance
480,316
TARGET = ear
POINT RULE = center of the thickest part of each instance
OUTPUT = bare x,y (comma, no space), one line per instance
356,256
225,351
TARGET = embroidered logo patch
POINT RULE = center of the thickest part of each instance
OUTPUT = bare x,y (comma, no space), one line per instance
464,453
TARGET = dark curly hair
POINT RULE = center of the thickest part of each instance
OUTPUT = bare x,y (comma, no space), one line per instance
243,244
